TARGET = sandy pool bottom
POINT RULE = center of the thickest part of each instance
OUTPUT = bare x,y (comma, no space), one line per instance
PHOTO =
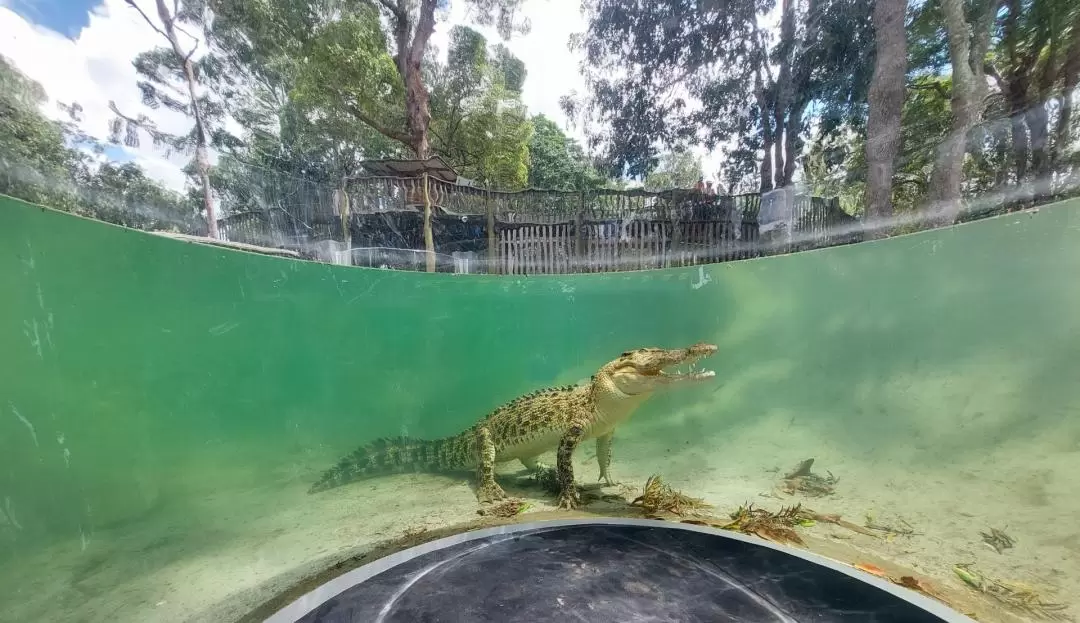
260,542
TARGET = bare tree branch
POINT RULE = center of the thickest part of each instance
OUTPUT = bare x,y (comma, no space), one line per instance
367,119
146,17
144,124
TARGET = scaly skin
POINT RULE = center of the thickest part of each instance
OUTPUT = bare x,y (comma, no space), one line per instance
558,418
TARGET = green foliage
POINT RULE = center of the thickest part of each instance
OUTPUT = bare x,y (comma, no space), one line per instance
40,166
836,164
346,69
162,82
478,121
558,162
34,159
678,169
502,14
663,75
122,194
263,55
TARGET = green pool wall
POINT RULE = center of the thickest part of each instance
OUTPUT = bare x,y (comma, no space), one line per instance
139,373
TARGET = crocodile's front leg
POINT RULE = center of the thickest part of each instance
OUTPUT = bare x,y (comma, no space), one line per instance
489,490
568,493
603,458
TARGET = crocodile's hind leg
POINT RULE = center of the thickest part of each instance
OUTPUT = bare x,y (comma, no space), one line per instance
489,490
603,458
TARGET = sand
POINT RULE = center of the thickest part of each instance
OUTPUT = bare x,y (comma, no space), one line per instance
261,541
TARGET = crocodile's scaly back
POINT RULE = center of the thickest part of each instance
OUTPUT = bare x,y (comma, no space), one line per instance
394,455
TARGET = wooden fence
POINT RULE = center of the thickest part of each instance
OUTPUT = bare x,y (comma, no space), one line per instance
614,246
377,222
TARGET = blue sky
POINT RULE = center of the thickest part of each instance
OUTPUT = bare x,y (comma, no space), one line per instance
66,17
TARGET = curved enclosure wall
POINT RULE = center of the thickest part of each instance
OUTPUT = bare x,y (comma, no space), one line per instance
165,406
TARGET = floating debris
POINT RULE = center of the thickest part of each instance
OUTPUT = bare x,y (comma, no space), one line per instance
839,521
506,508
1016,595
922,586
658,497
998,540
802,480
547,478
900,528
771,526
872,569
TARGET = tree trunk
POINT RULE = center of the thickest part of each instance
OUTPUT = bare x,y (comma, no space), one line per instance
202,156
1070,79
767,137
1001,149
766,163
886,99
1019,141
1038,122
417,109
793,142
410,55
1038,118
1016,89
429,238
783,91
967,54
798,95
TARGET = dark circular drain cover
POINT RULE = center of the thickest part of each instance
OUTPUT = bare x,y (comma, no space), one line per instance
607,571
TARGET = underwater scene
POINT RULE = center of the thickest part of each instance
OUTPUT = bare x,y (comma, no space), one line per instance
191,433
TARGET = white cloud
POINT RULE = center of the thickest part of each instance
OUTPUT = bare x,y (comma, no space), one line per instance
94,68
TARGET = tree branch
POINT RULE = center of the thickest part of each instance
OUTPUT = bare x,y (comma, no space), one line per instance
401,37
981,37
146,17
144,124
370,121
425,25
931,86
991,71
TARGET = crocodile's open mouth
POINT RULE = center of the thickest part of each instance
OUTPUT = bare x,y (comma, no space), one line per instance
686,369
690,373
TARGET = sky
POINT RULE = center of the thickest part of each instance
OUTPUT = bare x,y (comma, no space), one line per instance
81,51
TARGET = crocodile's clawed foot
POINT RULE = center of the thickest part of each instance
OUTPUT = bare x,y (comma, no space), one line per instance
491,492
569,500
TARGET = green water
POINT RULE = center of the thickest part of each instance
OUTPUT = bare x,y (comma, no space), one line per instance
164,403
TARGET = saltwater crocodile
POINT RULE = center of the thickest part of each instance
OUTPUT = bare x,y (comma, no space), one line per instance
557,418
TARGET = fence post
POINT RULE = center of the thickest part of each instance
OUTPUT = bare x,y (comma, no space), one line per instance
674,214
579,242
429,239
341,204
492,244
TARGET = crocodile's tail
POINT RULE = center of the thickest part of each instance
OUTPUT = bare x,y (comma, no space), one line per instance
392,455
